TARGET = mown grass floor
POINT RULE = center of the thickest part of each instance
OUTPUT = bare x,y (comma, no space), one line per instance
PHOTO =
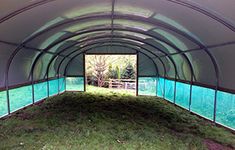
109,121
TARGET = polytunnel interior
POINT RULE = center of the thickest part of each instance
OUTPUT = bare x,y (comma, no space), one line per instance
185,49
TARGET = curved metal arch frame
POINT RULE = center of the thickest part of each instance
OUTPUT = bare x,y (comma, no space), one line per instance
111,44
125,37
132,39
98,42
203,47
80,19
169,44
214,62
116,43
133,44
68,47
191,83
143,19
140,32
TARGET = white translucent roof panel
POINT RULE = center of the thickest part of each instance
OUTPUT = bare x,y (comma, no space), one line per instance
9,6
63,65
185,19
19,71
52,70
203,67
143,70
225,58
32,20
158,63
224,8
134,24
41,66
183,42
53,35
165,46
76,63
183,67
5,52
170,69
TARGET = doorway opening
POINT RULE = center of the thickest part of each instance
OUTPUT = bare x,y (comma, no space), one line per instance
111,73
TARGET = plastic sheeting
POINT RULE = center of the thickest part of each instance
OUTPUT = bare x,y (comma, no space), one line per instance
202,100
225,112
22,96
75,84
3,103
150,21
61,85
53,87
154,20
40,91
147,86
182,94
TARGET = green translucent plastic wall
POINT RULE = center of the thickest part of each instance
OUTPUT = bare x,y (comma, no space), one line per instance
3,103
20,97
202,100
160,87
53,87
147,86
182,95
169,90
61,85
225,112
40,91
75,83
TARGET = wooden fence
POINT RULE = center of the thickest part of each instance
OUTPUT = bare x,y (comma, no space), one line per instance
122,83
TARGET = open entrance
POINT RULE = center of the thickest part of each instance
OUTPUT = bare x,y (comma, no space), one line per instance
111,73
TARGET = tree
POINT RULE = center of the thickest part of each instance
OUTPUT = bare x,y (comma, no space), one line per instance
128,72
98,64
112,74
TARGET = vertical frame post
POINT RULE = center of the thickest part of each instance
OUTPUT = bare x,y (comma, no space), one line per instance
8,101
65,84
175,90
137,74
32,82
58,81
84,70
190,96
215,104
164,88
48,87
